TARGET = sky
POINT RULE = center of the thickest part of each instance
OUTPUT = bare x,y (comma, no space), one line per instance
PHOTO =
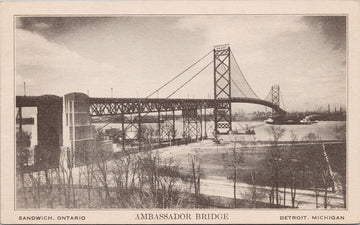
135,55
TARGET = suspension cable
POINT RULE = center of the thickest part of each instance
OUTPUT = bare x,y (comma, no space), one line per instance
171,80
178,75
189,80
282,100
237,87
268,96
180,86
243,73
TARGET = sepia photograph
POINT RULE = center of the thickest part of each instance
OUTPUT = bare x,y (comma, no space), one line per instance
181,111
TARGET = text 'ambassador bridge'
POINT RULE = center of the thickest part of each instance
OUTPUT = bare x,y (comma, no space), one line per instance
68,122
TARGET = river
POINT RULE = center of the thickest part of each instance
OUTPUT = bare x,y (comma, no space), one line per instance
323,129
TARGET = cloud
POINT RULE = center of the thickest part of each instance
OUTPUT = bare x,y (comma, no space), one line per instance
241,30
51,68
41,26
52,27
333,28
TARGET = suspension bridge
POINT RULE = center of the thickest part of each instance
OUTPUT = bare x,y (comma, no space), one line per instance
65,122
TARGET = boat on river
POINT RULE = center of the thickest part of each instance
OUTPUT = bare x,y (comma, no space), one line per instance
307,120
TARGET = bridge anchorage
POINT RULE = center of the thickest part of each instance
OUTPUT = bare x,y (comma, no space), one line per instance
69,120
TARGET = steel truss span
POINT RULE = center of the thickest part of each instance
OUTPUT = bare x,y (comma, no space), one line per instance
116,106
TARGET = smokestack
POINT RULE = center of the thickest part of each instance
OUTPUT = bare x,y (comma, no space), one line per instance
329,108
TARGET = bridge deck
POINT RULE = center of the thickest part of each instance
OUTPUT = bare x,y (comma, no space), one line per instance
113,106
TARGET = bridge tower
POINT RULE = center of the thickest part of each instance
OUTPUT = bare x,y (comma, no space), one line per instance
222,89
275,99
78,132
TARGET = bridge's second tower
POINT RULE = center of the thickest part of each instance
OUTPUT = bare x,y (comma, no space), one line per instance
222,89
275,99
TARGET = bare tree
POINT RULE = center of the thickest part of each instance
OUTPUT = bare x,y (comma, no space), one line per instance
87,171
64,176
310,160
254,189
233,160
22,157
293,186
36,188
70,179
49,180
102,173
196,175
340,133
49,187
59,184
169,175
276,132
117,174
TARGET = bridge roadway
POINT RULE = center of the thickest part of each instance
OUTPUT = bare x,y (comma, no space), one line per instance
113,106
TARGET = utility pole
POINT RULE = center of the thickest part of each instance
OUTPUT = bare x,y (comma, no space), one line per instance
24,89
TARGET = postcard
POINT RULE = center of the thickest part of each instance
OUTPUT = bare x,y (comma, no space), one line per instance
205,112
